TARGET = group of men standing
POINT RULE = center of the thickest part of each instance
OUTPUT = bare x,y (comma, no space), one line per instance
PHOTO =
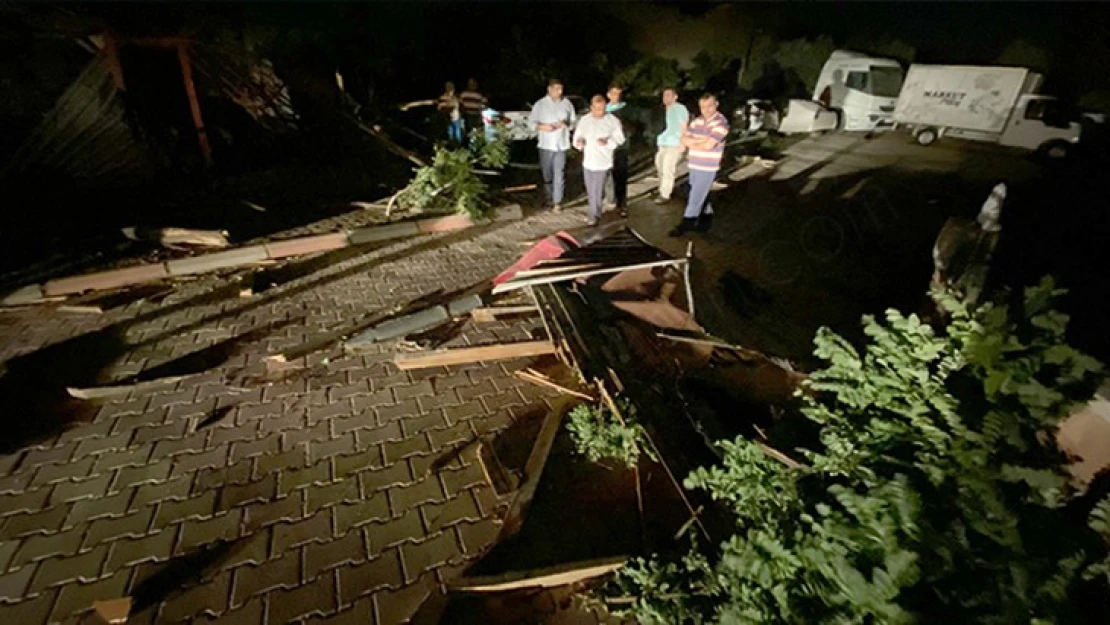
602,137
462,111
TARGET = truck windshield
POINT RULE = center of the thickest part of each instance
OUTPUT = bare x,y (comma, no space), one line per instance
886,82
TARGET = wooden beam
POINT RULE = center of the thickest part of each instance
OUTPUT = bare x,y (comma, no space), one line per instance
533,467
491,313
519,284
194,104
542,381
546,577
464,355
100,392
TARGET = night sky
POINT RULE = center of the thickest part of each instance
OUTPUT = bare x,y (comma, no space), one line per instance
427,42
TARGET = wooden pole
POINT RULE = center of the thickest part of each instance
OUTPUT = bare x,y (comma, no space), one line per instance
111,57
194,104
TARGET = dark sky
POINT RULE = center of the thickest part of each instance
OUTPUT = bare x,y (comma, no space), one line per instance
452,39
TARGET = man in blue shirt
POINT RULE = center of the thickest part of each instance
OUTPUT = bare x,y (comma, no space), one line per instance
616,185
669,143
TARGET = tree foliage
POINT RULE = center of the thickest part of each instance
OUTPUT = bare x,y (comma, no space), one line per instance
450,183
649,76
935,493
601,436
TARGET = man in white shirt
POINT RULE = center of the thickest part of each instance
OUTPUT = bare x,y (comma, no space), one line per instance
551,118
598,135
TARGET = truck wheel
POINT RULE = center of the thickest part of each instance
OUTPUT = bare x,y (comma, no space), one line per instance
1056,150
926,136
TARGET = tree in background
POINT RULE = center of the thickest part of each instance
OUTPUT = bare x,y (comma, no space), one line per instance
1021,53
935,492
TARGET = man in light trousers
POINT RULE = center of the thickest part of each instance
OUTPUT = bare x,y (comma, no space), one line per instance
669,144
598,135
551,118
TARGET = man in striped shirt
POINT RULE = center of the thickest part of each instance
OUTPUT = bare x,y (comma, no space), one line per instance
705,140
472,104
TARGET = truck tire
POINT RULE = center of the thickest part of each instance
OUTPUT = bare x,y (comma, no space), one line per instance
1056,150
926,136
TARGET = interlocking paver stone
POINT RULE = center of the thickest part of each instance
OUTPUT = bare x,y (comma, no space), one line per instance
321,557
154,548
282,572
85,567
369,449
424,556
427,490
358,580
316,597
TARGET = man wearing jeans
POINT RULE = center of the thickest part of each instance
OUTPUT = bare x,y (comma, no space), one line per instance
669,143
705,138
598,135
551,118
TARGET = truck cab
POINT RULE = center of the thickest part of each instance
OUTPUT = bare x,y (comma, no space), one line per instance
862,89
1041,123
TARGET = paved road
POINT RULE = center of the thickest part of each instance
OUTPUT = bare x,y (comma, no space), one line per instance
312,499
841,226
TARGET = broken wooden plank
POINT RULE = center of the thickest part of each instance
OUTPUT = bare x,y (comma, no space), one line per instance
491,313
519,188
547,577
79,309
697,340
543,381
533,468
465,355
179,236
100,392
501,479
519,284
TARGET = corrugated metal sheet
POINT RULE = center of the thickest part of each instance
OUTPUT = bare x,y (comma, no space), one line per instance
85,135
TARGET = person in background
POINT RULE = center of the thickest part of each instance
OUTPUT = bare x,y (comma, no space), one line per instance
473,102
616,185
705,138
551,118
448,105
598,135
669,144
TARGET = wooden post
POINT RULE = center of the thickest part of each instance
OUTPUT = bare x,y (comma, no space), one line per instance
194,105
111,58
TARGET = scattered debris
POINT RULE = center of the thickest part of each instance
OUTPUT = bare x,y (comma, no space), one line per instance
530,375
177,237
80,310
539,578
533,468
101,392
492,313
413,323
481,353
519,188
238,257
113,611
501,479
253,206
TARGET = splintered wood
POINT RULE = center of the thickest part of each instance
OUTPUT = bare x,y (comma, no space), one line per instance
547,577
464,355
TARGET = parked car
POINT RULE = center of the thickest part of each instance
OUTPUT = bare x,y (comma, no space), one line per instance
517,120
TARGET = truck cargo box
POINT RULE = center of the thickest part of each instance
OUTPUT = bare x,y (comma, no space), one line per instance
963,97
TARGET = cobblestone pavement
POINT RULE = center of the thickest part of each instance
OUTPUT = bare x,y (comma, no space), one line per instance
330,497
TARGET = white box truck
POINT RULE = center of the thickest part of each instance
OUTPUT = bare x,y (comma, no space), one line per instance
995,104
